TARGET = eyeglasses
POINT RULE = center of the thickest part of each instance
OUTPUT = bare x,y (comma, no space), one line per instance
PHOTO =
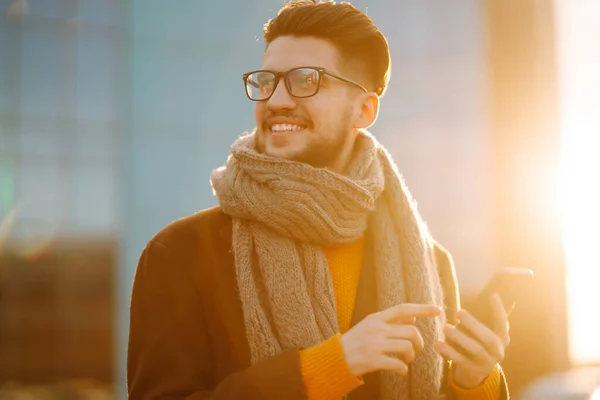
300,82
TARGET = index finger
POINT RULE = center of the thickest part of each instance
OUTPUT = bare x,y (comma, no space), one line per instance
409,311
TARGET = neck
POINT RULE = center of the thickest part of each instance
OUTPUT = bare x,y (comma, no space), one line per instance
345,154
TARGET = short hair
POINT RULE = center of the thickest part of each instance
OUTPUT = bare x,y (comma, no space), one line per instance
358,40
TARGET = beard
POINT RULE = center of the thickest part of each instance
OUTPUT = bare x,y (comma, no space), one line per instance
324,152
321,152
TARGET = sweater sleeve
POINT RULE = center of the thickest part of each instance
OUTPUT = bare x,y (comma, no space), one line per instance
488,390
325,373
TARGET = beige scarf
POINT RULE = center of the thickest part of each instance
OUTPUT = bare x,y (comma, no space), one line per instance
284,212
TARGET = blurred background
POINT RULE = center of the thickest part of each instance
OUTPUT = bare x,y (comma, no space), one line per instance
113,114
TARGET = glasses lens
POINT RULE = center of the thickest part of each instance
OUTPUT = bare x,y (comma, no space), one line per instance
260,85
303,82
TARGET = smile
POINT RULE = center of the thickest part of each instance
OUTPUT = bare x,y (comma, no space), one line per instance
284,128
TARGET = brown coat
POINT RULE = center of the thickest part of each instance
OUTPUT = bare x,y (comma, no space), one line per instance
186,338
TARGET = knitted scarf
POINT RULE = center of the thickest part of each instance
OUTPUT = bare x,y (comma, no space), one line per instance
283,213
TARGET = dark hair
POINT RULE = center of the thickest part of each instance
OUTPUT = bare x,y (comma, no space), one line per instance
358,40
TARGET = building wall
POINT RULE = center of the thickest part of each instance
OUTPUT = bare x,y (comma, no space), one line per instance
61,100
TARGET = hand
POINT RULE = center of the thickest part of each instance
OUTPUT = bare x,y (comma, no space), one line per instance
386,340
483,349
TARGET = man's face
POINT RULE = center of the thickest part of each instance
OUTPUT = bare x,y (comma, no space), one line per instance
322,125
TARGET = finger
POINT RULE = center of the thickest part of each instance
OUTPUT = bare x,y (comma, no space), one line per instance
390,363
407,332
501,324
403,320
482,334
399,348
450,353
409,310
470,347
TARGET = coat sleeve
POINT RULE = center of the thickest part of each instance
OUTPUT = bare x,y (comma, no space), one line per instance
447,274
169,353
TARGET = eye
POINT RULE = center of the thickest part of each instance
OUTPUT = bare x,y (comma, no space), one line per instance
311,78
265,79
304,77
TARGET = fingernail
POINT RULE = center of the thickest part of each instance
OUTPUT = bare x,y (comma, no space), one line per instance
448,328
437,346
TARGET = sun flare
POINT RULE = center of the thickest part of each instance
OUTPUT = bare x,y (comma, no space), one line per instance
580,171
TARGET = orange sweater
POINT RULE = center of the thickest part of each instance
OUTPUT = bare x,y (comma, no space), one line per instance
324,370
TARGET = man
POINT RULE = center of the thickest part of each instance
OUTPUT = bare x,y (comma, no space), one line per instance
315,278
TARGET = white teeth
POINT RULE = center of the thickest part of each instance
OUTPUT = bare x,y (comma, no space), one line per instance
286,127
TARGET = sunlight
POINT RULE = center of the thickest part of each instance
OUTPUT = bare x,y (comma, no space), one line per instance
577,33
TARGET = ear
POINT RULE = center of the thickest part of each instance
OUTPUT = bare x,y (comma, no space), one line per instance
368,111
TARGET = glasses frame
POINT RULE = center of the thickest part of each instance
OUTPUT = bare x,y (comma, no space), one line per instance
284,76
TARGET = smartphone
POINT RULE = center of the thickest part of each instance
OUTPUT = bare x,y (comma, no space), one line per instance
511,284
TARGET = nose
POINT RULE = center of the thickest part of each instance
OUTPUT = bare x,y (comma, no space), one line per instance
281,98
